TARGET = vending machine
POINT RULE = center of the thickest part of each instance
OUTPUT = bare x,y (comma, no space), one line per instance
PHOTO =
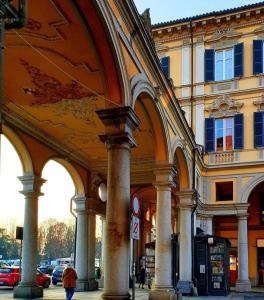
212,265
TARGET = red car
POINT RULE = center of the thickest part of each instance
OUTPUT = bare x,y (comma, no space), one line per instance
9,276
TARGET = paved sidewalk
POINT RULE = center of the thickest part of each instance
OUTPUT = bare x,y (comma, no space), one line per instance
57,293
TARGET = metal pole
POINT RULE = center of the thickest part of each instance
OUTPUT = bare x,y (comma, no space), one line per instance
20,259
75,232
133,271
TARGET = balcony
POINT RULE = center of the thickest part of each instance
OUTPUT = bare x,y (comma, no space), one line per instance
222,157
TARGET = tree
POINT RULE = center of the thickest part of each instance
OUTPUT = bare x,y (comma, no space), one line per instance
9,247
56,239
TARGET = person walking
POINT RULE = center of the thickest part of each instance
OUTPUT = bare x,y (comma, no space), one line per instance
142,274
69,277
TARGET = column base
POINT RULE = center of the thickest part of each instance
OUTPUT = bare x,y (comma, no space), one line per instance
82,285
185,287
28,291
101,282
116,297
243,286
92,284
163,294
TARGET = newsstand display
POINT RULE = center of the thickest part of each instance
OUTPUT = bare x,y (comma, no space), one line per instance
212,265
150,259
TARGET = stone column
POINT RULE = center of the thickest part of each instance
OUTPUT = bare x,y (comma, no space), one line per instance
101,281
27,287
185,259
93,284
119,125
81,243
162,283
243,284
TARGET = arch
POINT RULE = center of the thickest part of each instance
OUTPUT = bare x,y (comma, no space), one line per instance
143,91
20,148
183,165
98,17
76,178
250,187
140,85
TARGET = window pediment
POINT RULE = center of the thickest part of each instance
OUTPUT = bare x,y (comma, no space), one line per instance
223,106
226,33
260,103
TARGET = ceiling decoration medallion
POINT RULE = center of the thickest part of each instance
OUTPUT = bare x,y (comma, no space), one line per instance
223,106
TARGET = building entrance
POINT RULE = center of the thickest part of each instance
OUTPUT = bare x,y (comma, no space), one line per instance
260,266
233,266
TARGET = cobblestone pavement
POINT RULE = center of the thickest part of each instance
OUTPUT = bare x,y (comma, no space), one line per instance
57,293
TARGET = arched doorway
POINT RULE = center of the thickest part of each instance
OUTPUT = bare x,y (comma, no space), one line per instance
256,233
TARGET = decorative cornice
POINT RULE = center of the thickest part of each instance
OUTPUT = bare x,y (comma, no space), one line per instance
223,106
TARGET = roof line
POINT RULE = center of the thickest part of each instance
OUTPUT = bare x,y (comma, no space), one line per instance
209,14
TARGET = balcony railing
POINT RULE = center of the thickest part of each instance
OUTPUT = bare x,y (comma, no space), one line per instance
223,157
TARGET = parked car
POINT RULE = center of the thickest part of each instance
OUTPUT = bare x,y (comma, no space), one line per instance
57,274
10,276
46,269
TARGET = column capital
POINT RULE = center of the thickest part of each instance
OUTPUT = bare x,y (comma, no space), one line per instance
120,123
164,176
242,216
186,199
103,218
31,184
120,139
205,216
81,204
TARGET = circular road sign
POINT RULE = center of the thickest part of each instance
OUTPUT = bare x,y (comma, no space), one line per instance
135,205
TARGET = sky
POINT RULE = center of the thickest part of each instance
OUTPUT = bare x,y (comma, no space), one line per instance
58,189
167,10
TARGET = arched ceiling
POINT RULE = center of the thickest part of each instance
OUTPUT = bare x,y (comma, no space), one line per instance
60,69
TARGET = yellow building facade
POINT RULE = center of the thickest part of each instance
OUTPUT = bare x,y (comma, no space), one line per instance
215,65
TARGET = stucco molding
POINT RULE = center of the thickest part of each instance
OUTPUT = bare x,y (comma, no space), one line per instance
140,84
224,106
260,103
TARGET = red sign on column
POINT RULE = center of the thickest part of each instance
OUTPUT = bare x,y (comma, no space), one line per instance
135,228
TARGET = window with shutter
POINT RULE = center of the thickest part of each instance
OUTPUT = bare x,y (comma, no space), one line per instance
210,134
258,129
257,56
165,63
224,64
239,60
224,134
209,65
239,131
